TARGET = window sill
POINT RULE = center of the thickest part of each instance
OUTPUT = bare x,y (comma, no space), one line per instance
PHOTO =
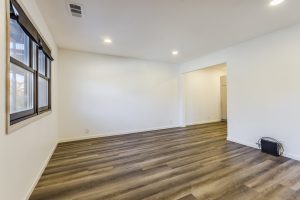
26,122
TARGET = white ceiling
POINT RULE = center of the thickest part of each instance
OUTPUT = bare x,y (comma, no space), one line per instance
151,29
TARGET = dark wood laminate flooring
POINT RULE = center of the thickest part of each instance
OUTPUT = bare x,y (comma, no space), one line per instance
189,163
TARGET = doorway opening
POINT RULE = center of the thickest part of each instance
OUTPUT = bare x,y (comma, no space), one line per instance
205,95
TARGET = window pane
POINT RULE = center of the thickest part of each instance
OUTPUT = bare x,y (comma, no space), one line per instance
34,57
21,89
43,92
19,43
42,58
48,68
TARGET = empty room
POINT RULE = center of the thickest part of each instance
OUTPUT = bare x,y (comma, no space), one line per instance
149,100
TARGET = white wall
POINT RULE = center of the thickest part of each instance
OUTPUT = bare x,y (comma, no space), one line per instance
202,95
263,88
263,99
23,153
113,95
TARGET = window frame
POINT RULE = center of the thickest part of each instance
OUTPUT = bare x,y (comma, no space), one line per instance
48,79
15,119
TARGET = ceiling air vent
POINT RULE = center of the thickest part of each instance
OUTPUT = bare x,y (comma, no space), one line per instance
75,9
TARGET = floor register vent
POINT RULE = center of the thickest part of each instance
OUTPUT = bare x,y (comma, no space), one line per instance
270,146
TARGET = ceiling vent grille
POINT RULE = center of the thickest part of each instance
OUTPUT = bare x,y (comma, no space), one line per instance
75,10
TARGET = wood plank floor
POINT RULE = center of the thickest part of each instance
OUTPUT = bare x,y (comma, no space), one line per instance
181,163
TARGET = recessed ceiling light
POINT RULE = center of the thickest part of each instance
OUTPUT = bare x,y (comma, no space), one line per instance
107,41
276,2
175,53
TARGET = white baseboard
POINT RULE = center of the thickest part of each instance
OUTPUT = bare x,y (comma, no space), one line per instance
249,144
39,175
203,122
114,134
292,156
85,137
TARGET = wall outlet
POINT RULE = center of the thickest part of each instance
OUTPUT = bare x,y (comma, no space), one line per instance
87,131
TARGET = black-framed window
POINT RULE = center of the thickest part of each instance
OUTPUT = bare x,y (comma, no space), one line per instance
44,65
29,68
